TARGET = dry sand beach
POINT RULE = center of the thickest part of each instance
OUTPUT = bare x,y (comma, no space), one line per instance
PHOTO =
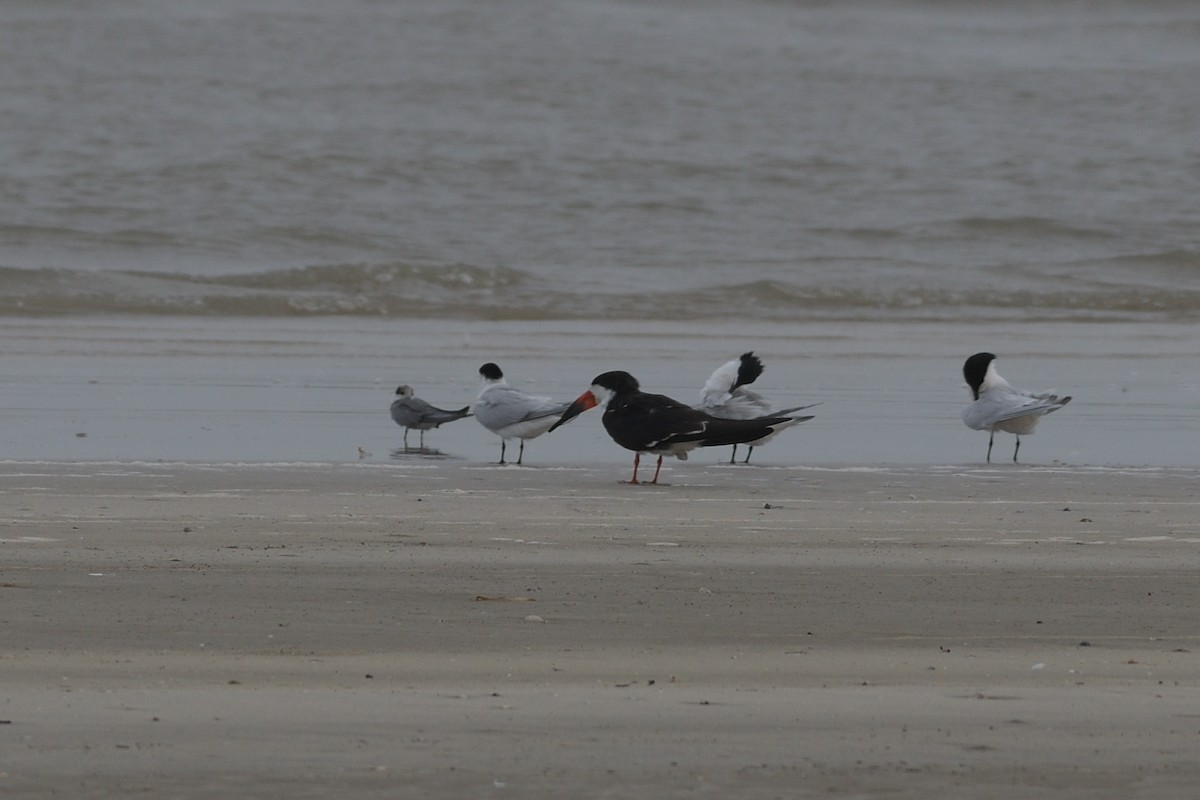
448,630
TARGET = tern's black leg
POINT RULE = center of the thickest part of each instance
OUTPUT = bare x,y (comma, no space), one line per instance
748,452
1015,449
733,455
406,438
991,437
502,445
521,452
422,445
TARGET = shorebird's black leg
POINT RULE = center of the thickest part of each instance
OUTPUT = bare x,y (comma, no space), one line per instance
502,446
1015,449
733,455
521,453
991,436
748,452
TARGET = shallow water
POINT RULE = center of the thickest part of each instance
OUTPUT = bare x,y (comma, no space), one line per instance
155,388
228,231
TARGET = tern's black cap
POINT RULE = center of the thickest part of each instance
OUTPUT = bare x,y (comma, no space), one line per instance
975,369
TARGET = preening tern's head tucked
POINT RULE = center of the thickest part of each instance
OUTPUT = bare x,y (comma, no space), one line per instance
998,406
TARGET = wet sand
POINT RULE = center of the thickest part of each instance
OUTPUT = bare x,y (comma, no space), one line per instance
439,629
318,389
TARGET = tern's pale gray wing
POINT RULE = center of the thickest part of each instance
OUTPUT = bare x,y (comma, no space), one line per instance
742,404
439,416
432,415
499,406
1036,404
994,407
404,414
414,412
789,411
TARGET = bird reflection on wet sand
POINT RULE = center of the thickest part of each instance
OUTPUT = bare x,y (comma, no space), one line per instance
404,453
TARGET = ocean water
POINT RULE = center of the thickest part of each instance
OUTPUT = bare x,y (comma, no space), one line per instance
229,229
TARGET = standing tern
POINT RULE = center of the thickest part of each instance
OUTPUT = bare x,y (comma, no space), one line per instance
413,413
1000,407
509,413
726,396
655,424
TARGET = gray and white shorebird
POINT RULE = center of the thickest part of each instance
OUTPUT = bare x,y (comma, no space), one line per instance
413,413
1000,407
725,395
512,414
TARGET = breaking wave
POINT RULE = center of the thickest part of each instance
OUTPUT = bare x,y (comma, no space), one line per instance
471,292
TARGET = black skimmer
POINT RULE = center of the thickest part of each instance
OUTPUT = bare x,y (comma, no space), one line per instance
1000,407
653,423
413,413
509,413
725,395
